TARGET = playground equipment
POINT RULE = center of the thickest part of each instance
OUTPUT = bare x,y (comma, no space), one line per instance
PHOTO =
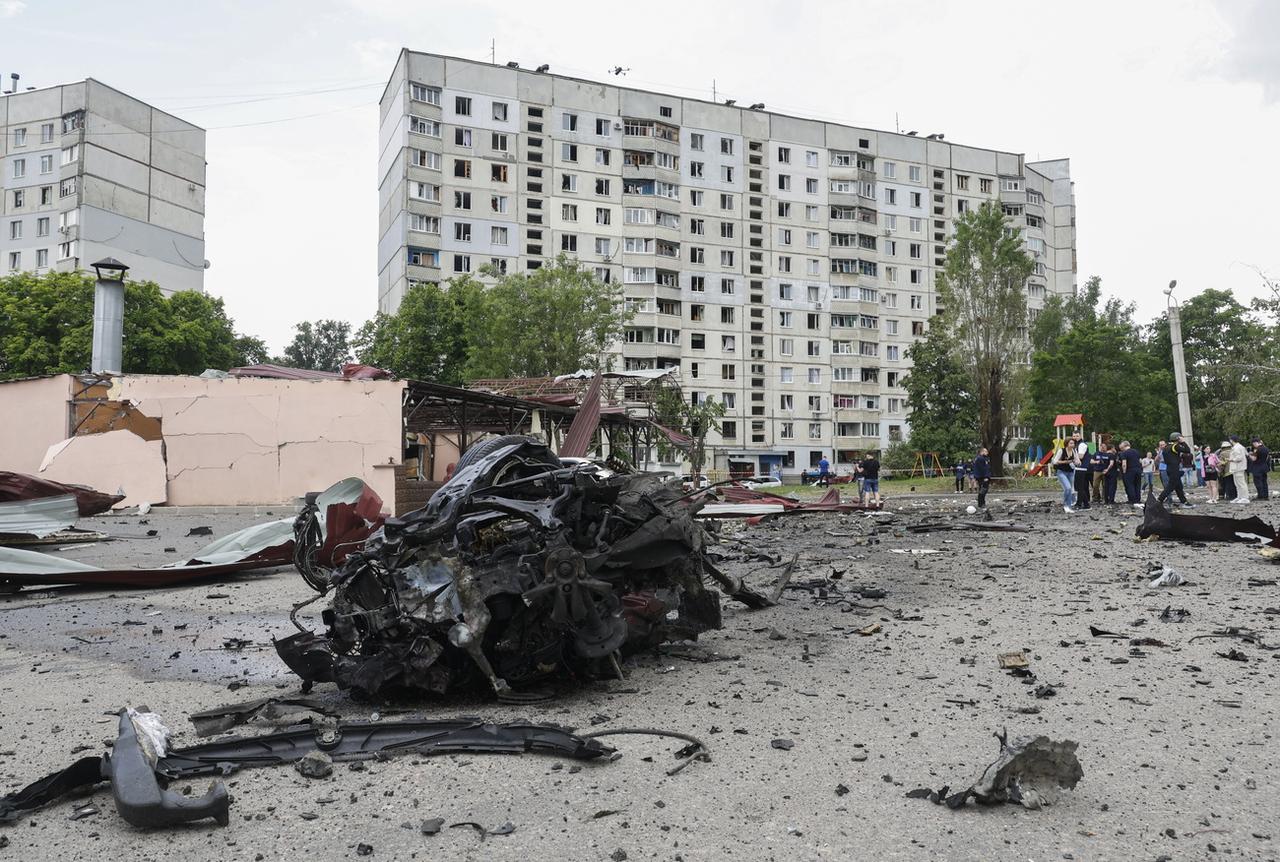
1064,426
927,464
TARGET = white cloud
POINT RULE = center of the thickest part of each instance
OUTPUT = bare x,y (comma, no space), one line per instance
376,56
1251,54
11,8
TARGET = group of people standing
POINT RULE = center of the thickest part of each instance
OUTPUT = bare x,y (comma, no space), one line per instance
1092,476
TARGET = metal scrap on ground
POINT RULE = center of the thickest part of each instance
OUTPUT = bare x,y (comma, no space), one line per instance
1029,771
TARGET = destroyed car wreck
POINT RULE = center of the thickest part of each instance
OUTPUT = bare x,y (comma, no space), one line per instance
520,569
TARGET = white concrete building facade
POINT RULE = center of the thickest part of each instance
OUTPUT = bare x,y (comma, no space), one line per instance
784,264
87,172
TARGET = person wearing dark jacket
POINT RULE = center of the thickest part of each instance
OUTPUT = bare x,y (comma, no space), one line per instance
1173,467
1130,471
960,469
1106,467
982,475
1260,466
1081,462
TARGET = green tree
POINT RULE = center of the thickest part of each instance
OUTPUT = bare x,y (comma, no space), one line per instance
944,411
425,338
322,346
1101,367
553,320
981,287
671,410
250,350
46,327
1060,313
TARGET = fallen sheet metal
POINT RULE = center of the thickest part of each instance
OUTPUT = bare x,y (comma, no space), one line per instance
21,486
261,546
39,518
264,712
829,502
1028,771
1159,521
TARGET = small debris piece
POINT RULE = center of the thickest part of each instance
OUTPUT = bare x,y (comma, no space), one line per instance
200,531
618,855
1233,655
1011,660
505,829
1046,690
364,849
841,790
83,811
869,630
1174,615
782,744
1028,772
431,826
315,764
1167,578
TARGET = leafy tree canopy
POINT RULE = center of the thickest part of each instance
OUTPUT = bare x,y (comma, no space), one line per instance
320,346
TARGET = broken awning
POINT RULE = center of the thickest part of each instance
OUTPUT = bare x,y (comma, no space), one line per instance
350,371
40,517
345,522
21,486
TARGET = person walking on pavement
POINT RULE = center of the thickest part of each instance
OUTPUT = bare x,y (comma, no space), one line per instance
1238,465
1161,465
1226,482
1130,469
982,475
1081,462
1148,472
1186,458
1210,460
1065,472
1260,466
1173,469
824,471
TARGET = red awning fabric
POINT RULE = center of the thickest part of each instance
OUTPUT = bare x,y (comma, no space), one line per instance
1068,419
578,440
677,438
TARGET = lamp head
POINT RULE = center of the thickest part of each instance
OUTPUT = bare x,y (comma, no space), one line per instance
111,270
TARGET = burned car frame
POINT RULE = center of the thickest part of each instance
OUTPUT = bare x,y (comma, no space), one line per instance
519,569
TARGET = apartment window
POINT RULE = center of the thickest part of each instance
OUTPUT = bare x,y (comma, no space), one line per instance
670,336
72,121
603,215
462,168
811,213
726,230
784,155
42,226
71,218
46,133
787,430
726,146
915,250
498,235
70,154
728,371
916,199
913,173
726,257
602,187
15,230
602,156
569,212
784,319
696,198
498,173
602,127
462,231
19,137
727,288
917,301
784,291
962,182
815,376
698,283
726,173
568,182
569,152
498,203
786,375
462,200
697,255
815,402
814,347
726,202
19,168
462,106
500,111
812,239
917,276
638,245
15,261
696,169
420,93
891,196
811,186
424,223
915,225
784,209
1010,184
569,242
786,346
462,137
892,352
784,182
462,263
423,126
696,142
984,186
811,158
42,258
890,327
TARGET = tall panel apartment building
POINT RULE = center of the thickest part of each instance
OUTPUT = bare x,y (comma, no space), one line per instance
88,172
784,264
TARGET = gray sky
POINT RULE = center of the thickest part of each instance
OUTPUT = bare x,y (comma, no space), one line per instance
1168,109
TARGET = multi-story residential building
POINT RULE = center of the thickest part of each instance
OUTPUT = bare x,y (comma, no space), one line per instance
87,172
784,264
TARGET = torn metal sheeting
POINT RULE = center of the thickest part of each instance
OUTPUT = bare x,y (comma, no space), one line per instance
40,517
21,486
519,569
261,546
267,711
1159,521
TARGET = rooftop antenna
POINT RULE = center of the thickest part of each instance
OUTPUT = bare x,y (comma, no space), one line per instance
618,70
493,50
897,128
713,90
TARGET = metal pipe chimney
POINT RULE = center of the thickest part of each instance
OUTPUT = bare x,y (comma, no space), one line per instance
108,317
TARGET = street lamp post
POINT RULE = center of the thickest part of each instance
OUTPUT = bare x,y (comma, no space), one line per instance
1179,363
108,317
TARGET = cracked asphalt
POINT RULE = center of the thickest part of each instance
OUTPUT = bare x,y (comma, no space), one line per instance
1177,741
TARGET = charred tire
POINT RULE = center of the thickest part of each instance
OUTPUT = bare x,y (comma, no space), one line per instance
484,447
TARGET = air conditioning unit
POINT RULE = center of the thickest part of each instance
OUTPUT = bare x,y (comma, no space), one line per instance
889,231
817,306
617,126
